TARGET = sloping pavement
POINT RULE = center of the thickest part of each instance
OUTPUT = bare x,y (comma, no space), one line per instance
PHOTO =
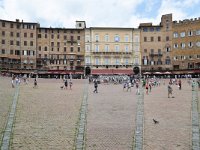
174,130
6,98
46,117
110,118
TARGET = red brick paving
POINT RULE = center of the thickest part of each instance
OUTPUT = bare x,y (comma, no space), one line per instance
174,115
6,97
46,117
111,118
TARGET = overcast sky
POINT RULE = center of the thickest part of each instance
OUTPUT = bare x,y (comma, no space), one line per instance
97,13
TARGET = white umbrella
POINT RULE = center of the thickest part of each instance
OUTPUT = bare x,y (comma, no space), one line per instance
157,73
146,73
167,72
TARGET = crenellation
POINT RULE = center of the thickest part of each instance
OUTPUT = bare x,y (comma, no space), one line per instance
186,21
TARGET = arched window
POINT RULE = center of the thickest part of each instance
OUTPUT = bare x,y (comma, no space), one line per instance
175,34
167,48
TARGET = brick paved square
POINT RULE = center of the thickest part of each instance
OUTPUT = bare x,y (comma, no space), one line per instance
111,118
46,117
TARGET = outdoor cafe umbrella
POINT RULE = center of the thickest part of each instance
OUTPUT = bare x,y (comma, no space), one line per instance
157,73
167,72
147,73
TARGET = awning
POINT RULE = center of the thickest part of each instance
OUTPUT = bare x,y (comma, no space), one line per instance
197,71
186,71
42,72
120,71
167,72
52,72
67,72
101,71
79,72
21,71
157,73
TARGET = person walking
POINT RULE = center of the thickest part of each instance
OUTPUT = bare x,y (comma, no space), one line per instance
147,88
198,83
129,86
12,82
124,86
179,84
193,85
35,83
143,83
137,88
70,84
66,83
169,91
95,86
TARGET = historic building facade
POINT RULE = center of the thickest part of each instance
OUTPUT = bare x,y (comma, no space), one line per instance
111,51
60,50
186,45
18,46
28,48
170,47
156,43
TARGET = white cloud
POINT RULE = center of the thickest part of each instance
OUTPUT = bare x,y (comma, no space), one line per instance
178,8
64,13
150,5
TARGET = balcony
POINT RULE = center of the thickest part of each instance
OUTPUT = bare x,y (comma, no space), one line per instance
4,55
155,54
71,53
80,57
110,65
88,63
71,41
14,57
111,52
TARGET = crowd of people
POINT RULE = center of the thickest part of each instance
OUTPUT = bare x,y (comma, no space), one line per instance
127,82
146,83
17,79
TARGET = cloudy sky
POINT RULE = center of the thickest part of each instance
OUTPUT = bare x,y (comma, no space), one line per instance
97,13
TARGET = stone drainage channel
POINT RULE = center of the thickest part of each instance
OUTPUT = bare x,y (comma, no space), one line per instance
80,135
195,120
138,140
8,130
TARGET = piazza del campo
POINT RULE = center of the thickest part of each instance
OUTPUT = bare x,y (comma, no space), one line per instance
100,88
